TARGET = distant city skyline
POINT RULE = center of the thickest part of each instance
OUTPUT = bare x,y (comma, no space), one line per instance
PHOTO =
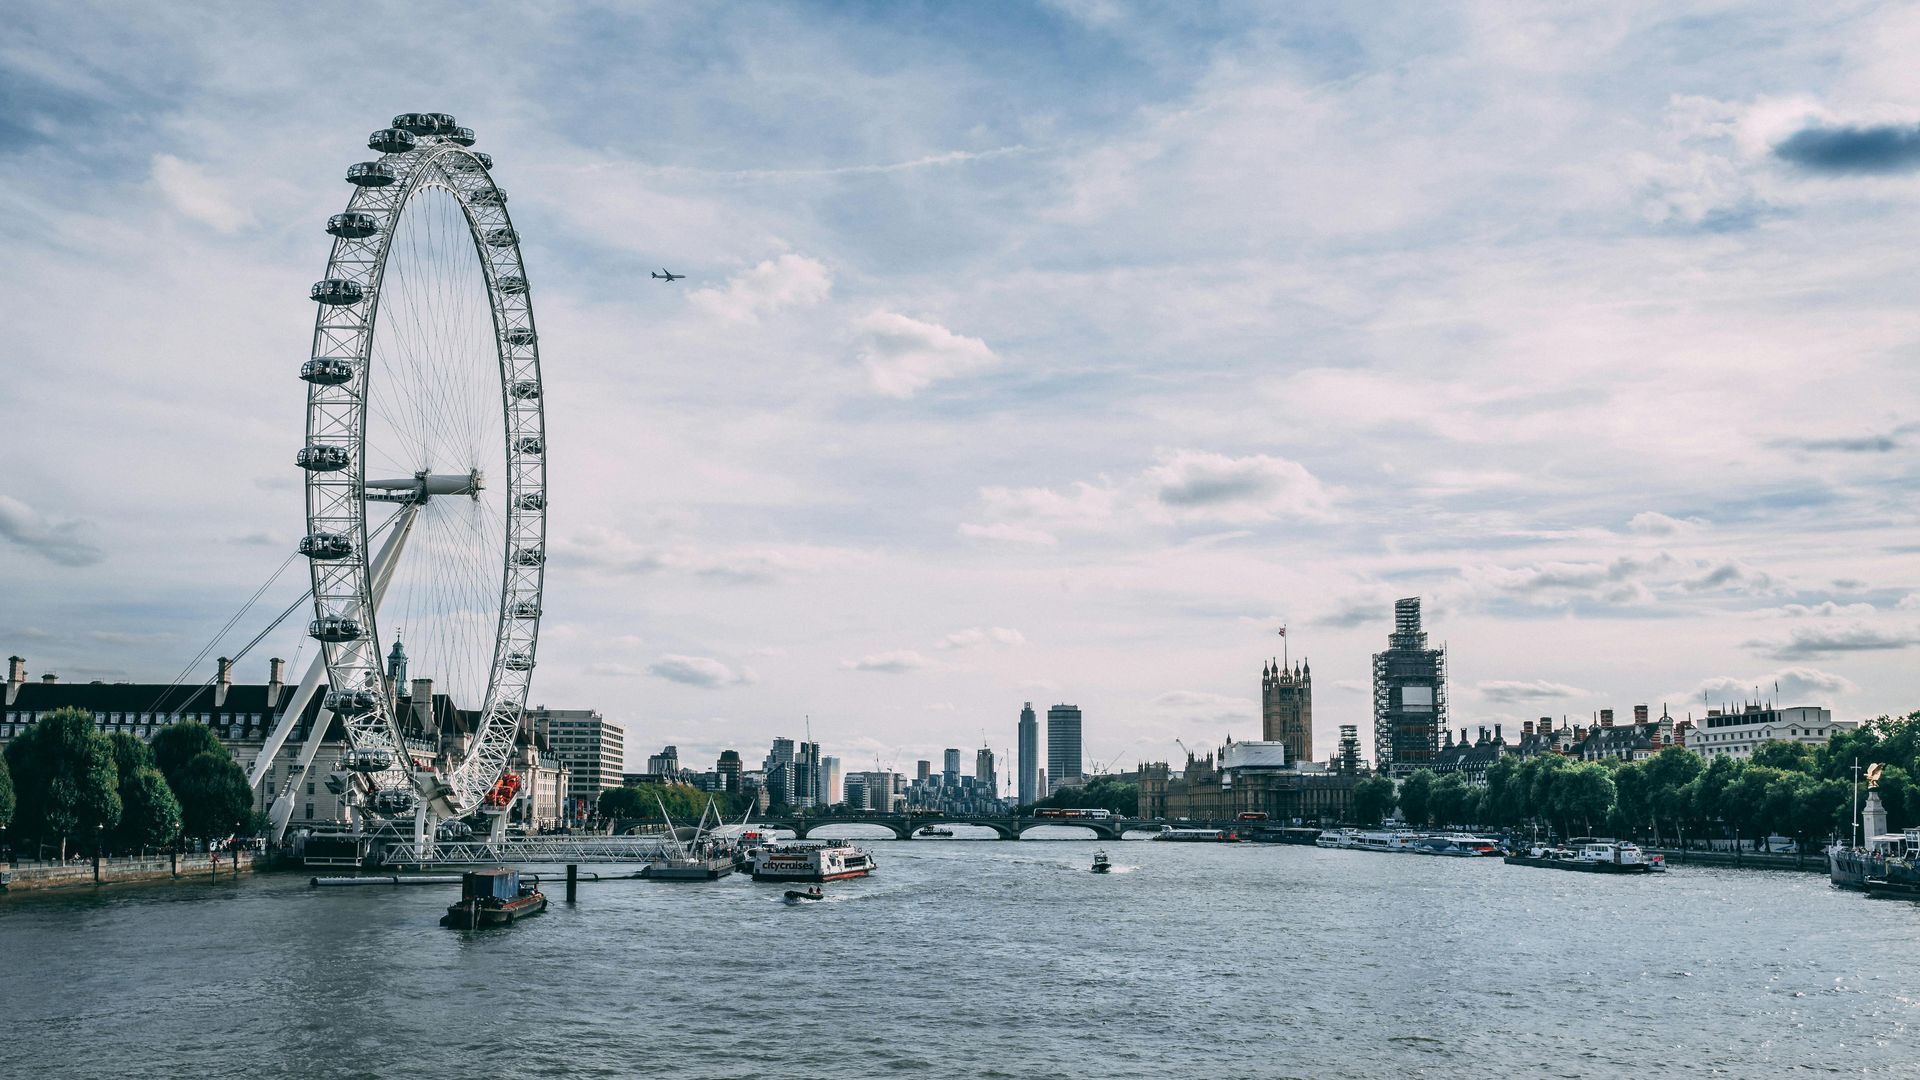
1071,386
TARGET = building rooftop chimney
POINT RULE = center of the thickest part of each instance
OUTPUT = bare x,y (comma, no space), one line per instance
224,683
276,681
16,676
49,678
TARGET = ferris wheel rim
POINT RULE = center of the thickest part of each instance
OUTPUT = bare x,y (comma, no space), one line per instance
422,152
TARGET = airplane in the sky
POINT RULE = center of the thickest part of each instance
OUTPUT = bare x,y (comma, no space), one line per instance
666,275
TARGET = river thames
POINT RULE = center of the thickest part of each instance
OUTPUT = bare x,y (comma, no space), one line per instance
984,959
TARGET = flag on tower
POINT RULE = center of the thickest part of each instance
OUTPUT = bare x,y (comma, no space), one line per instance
1283,631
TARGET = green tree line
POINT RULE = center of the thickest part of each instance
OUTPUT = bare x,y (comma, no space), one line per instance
65,785
684,803
1785,789
1100,793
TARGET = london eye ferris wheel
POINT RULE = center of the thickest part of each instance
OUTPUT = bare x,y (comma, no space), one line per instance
425,464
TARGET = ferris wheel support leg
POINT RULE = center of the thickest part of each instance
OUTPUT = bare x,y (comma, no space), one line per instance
281,813
289,716
423,830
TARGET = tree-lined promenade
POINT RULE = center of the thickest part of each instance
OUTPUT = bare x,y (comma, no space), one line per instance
1785,789
65,787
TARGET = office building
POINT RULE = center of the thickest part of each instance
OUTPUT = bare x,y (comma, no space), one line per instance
729,769
592,748
950,775
923,769
1029,763
806,776
983,773
830,786
1064,767
778,767
665,764
1409,695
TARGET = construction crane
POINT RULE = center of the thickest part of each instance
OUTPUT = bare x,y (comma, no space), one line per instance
1183,746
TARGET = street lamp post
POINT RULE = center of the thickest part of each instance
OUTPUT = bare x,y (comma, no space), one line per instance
99,841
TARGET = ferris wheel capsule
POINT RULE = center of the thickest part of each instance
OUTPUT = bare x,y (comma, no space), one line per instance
353,225
395,801
334,629
336,292
349,702
369,759
327,546
462,136
391,140
327,371
371,174
323,458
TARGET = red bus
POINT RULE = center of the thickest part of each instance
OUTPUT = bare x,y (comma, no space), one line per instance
1252,815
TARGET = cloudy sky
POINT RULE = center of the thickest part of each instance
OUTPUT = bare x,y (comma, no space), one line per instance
1050,352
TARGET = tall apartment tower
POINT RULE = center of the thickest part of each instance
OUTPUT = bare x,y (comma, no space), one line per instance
1029,756
950,774
1063,747
1286,708
829,781
1409,695
983,774
729,769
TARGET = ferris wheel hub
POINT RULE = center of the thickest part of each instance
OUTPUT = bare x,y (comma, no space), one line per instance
423,485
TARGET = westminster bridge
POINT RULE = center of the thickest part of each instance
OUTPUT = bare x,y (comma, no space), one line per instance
1008,827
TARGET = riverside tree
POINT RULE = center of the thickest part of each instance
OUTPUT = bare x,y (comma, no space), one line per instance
66,783
6,794
213,794
149,813
1416,798
1373,799
684,802
181,742
1100,793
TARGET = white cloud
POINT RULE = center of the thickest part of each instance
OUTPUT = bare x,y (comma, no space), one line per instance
1653,523
198,195
1796,686
702,671
64,541
1909,602
904,356
897,662
1503,690
1821,639
1252,488
790,281
1011,534
976,636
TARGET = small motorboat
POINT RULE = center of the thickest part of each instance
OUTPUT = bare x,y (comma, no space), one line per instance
1101,864
797,897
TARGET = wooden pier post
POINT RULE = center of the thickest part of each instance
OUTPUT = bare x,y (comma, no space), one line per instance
573,882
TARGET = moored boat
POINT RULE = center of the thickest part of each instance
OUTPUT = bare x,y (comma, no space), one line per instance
493,898
1197,836
1880,859
1459,847
1591,857
810,860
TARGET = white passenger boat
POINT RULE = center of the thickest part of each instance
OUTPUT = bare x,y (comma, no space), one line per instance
810,860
